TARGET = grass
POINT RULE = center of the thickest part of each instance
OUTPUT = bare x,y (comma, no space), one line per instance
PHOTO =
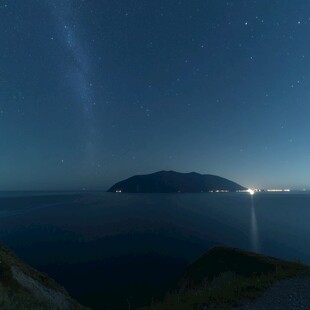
221,278
19,300
8,259
14,296
206,285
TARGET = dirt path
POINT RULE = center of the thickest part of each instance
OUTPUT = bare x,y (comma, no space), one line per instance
291,294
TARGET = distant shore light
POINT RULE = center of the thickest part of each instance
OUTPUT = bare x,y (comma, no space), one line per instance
251,191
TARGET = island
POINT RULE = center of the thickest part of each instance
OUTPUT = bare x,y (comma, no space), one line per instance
174,182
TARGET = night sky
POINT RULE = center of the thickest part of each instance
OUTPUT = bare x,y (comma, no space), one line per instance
92,91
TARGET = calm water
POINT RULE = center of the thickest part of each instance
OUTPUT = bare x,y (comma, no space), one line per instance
102,245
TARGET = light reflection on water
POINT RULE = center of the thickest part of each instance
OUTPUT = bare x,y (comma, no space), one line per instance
255,244
270,223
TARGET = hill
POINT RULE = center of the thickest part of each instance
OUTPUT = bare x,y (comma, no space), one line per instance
223,278
173,182
22,287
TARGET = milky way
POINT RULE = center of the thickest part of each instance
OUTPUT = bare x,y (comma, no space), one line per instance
79,71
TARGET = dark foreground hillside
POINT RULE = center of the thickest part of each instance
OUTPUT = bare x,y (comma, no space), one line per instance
22,287
224,278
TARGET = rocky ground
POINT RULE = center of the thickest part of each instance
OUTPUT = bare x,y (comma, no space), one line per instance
291,294
24,288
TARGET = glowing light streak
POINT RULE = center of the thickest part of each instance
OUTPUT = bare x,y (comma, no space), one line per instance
251,191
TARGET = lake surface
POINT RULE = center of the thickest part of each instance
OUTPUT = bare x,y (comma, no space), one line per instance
107,249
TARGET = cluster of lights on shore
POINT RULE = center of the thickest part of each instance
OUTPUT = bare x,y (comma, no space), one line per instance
253,191
249,190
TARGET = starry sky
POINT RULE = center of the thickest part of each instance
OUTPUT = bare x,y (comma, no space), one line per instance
92,91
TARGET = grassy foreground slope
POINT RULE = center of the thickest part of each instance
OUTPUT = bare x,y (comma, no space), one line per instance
225,277
22,287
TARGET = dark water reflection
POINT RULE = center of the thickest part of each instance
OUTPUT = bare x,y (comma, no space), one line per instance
101,245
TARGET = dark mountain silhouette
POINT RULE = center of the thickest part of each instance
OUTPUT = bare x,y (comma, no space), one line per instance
229,278
173,182
219,260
